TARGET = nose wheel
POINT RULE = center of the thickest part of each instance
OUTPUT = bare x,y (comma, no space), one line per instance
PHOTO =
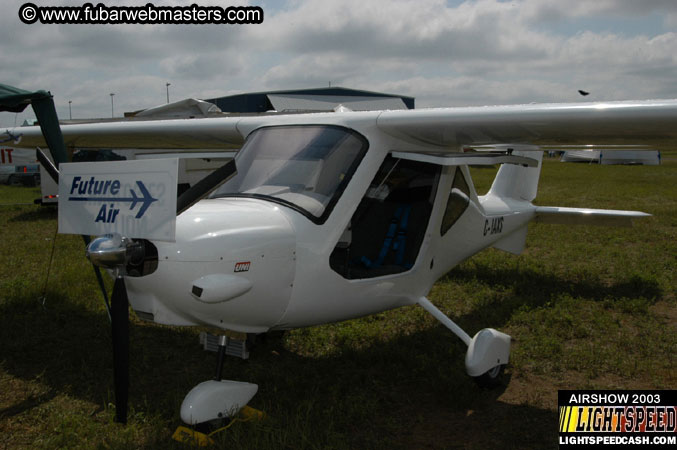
491,378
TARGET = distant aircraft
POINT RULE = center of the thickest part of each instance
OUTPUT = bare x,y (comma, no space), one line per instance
583,93
328,217
10,137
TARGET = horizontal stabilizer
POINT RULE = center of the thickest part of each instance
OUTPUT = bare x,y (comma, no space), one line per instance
586,216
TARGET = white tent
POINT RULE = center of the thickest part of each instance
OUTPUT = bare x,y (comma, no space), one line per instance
645,157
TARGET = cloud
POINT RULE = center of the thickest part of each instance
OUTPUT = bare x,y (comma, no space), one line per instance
493,46
554,10
472,52
423,30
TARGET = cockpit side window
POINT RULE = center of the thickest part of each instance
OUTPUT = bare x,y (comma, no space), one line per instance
387,230
458,201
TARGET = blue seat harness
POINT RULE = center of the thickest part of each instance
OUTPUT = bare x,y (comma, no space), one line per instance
396,237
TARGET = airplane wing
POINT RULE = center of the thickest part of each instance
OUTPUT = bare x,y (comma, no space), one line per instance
221,133
497,128
648,123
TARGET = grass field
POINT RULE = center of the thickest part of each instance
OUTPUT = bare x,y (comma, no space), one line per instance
587,307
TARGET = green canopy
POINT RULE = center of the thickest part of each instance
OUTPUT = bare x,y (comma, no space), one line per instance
13,99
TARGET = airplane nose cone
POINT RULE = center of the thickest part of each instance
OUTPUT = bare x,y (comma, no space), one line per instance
232,266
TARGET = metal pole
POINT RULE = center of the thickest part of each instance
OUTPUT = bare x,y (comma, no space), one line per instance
112,111
70,111
167,85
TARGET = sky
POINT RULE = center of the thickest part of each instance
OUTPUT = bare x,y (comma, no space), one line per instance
443,53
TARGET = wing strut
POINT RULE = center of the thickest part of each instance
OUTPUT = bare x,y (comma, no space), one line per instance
205,186
47,164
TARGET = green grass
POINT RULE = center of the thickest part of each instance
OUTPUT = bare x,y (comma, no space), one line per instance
17,195
588,307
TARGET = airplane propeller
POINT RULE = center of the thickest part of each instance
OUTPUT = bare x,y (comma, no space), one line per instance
115,252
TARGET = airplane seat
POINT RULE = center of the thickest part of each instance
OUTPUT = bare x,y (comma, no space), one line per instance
386,237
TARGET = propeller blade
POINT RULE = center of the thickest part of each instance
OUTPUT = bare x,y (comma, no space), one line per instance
99,278
120,327
205,186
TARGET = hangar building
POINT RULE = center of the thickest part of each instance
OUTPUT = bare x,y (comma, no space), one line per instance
320,99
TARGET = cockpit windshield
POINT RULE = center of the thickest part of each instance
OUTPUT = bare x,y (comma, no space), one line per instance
305,167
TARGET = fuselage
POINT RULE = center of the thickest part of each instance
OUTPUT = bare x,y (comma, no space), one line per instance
296,242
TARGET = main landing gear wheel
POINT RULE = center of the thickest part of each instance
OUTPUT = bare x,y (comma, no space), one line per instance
491,378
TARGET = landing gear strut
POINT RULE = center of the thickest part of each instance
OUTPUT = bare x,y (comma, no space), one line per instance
220,354
488,350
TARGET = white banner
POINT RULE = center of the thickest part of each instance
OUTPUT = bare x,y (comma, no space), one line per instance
10,156
136,199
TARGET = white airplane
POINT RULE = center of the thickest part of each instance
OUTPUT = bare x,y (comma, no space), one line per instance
327,217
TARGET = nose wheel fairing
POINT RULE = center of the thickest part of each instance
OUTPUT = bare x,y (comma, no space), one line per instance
216,399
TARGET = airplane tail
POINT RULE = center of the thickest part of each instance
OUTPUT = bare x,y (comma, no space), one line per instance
518,182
